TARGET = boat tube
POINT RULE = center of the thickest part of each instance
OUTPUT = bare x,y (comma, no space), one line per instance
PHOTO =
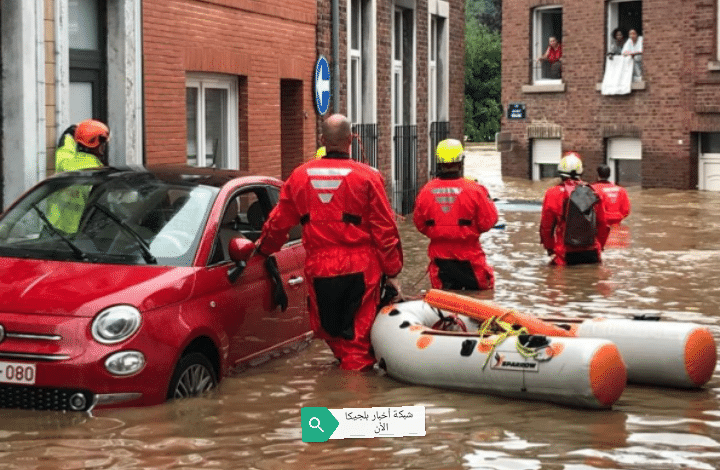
672,354
582,372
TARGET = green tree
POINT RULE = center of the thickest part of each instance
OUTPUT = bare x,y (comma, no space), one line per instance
482,82
485,12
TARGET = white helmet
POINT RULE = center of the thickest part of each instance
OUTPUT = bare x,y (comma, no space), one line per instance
570,164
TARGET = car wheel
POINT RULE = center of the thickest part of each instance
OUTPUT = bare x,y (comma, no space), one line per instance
193,376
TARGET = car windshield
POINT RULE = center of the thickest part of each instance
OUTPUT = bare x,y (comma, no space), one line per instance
105,218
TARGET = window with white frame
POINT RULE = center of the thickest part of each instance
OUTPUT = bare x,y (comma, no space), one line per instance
547,23
438,78
212,120
361,58
397,67
546,154
437,86
623,15
355,75
624,157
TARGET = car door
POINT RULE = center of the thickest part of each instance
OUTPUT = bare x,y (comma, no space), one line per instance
252,323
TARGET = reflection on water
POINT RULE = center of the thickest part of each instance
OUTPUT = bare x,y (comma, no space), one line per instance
664,262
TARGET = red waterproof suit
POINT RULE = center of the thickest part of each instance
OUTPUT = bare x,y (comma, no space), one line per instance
615,201
351,240
453,213
552,227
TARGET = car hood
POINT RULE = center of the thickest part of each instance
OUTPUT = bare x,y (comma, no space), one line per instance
83,289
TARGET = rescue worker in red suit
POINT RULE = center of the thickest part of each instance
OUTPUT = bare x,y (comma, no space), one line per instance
351,240
615,198
453,211
552,219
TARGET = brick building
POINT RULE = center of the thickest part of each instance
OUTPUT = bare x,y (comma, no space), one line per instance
400,80
664,133
230,83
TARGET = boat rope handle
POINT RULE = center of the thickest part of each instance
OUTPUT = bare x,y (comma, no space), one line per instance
507,331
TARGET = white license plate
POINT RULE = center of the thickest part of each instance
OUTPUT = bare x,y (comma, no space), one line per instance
17,373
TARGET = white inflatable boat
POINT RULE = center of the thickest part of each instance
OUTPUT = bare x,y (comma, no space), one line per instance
583,372
660,353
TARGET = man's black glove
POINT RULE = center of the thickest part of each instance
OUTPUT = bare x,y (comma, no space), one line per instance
279,296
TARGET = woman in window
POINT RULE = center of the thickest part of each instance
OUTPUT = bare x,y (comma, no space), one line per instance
617,43
634,48
553,56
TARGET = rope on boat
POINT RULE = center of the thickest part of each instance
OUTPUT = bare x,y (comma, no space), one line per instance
495,324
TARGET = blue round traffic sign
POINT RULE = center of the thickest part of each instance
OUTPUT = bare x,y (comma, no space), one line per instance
322,85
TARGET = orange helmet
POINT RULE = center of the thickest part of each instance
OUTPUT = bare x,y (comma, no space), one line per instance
91,133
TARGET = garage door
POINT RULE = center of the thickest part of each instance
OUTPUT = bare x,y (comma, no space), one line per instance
624,157
546,154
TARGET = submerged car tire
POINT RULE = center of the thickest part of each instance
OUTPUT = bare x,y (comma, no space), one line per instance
193,376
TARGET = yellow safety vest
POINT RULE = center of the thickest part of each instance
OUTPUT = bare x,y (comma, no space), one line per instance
66,206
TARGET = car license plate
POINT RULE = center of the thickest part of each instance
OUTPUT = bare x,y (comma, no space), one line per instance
17,373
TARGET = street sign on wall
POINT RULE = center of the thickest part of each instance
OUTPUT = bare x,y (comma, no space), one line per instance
322,85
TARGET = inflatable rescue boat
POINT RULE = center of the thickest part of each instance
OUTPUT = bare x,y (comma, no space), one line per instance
411,345
661,353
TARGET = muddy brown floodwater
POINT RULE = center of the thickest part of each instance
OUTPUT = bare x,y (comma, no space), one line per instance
666,262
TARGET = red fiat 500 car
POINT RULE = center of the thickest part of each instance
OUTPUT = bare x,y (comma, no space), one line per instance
129,287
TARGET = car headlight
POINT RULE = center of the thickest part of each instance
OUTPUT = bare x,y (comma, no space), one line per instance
115,324
125,362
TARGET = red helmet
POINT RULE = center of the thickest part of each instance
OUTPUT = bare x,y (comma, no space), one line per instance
91,133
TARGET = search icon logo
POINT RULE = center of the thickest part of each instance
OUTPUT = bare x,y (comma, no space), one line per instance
311,418
317,426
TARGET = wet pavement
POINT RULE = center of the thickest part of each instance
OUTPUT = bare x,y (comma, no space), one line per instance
664,261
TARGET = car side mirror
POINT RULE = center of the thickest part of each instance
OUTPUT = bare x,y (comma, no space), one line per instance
240,250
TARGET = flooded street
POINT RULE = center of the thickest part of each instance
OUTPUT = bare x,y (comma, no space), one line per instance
665,262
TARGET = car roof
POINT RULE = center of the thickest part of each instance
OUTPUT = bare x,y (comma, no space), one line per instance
179,173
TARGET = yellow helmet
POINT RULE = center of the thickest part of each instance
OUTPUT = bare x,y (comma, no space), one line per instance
321,152
450,151
570,164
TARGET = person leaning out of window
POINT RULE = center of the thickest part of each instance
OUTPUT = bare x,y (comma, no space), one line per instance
553,56
617,43
634,48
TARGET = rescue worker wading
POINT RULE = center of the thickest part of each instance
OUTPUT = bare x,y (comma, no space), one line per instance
81,147
553,223
350,237
614,198
453,211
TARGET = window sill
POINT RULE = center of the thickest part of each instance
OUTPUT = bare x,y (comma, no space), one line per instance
634,86
544,88
714,65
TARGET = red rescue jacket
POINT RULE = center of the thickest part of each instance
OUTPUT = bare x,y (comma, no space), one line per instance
552,223
343,207
615,201
453,213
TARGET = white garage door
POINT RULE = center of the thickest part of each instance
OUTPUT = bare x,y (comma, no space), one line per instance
709,161
546,154
624,157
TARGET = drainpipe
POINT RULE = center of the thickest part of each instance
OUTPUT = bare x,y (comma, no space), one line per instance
336,55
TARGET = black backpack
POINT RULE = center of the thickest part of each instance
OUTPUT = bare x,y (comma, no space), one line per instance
580,217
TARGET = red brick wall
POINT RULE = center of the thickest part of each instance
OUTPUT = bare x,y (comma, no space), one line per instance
681,96
261,42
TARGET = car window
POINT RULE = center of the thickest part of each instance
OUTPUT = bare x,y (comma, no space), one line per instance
243,216
126,220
